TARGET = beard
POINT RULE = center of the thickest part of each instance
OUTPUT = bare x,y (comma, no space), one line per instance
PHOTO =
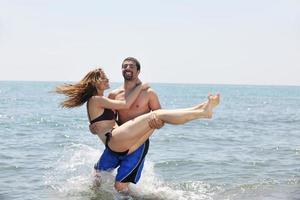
127,76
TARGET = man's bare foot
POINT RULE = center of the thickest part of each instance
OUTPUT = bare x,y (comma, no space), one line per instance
97,180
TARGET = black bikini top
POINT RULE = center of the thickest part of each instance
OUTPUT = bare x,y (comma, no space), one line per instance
108,114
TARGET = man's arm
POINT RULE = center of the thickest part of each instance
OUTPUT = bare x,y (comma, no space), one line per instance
154,104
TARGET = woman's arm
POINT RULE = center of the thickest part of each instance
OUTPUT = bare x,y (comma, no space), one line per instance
121,104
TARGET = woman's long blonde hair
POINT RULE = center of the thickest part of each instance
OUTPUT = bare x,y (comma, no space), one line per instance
79,93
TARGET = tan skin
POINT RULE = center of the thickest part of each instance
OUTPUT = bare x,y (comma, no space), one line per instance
146,101
96,105
137,128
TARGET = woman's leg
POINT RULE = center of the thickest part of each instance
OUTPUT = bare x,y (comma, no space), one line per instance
131,132
141,141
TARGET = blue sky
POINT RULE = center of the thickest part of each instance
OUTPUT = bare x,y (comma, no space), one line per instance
192,41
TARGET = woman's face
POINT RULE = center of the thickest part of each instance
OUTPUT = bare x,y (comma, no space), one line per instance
104,83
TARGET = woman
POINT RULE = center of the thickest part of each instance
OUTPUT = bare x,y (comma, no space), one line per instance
126,138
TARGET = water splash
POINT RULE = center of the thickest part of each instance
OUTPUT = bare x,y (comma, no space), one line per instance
72,176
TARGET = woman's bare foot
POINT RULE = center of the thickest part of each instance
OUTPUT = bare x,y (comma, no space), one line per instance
213,101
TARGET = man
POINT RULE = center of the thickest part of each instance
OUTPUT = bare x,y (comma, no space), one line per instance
131,165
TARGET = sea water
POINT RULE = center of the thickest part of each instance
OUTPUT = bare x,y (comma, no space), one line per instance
249,150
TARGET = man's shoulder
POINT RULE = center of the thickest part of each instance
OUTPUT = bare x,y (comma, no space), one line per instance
153,99
115,92
151,91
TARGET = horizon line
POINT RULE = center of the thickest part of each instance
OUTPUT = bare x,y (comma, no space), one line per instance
174,83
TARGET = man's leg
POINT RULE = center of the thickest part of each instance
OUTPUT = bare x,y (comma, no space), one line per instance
131,167
121,187
107,162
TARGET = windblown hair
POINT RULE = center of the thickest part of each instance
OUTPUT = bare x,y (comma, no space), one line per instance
79,93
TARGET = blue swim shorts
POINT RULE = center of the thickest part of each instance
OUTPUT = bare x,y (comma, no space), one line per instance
130,165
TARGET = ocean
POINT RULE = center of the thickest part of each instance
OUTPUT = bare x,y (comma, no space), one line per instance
250,150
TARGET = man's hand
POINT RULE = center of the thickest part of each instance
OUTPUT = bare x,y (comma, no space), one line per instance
93,128
154,122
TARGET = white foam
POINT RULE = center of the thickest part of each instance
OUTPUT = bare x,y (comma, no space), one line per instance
151,185
73,174
73,171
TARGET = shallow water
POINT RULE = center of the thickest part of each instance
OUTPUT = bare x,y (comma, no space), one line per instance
249,150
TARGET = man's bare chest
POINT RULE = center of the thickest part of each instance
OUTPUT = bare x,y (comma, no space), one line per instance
140,105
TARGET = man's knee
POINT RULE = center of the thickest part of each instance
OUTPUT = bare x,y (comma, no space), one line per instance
121,187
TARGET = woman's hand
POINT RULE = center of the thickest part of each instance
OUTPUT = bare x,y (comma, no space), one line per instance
145,86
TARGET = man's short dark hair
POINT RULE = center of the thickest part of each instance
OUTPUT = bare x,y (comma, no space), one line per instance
137,63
